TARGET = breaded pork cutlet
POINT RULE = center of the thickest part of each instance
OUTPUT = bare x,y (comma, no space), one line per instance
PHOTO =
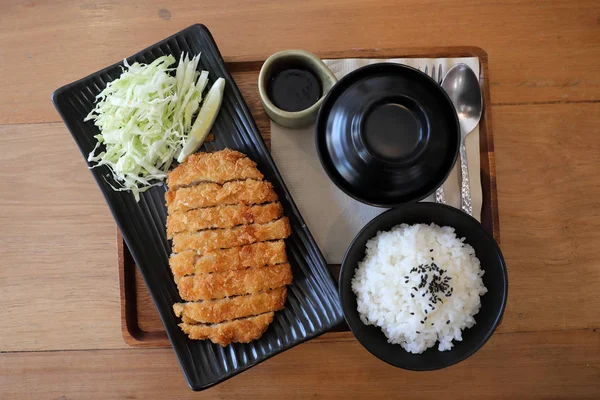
229,308
234,283
242,330
214,194
220,167
229,262
207,240
189,262
222,217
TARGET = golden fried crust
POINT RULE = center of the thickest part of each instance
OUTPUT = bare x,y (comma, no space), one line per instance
219,167
241,330
233,283
225,238
254,255
187,320
229,261
213,194
214,311
222,217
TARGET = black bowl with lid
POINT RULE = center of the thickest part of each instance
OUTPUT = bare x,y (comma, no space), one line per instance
387,134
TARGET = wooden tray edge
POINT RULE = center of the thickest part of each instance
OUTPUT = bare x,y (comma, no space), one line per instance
130,330
388,52
489,150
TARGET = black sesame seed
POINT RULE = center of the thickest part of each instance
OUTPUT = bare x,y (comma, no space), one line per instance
417,331
405,281
412,313
447,322
423,322
431,250
412,295
425,312
423,295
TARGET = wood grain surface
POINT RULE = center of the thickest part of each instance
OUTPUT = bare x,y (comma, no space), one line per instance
552,364
60,333
540,43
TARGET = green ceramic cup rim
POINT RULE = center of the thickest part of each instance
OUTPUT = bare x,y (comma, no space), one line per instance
314,61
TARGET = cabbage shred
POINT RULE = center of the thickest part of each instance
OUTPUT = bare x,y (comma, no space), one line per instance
144,118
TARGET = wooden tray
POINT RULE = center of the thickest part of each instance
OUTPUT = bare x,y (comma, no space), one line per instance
140,324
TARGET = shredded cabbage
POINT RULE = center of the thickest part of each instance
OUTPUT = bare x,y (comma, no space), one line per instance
144,118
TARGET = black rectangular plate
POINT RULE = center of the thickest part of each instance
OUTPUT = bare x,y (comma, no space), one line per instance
313,305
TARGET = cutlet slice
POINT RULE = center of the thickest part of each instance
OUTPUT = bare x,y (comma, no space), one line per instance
225,238
214,194
214,311
233,283
240,330
220,167
254,255
187,320
221,217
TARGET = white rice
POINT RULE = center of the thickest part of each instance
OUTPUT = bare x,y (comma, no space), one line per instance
384,293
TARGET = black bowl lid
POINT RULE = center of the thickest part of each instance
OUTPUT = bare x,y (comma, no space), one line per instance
387,134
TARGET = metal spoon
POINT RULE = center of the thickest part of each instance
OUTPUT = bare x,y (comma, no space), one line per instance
462,87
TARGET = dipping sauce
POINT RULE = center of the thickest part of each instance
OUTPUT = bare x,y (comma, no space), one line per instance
294,89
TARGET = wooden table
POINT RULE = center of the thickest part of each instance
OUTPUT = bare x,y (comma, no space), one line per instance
60,332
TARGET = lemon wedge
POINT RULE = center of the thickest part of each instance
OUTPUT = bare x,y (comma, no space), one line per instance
204,121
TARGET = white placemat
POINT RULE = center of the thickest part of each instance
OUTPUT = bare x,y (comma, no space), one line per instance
333,217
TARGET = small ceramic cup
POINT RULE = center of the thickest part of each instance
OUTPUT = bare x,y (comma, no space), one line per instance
293,59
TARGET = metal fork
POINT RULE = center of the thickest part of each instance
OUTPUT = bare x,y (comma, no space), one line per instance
440,196
439,77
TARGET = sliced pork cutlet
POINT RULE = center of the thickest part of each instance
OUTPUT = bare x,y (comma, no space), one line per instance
189,262
213,194
234,283
215,311
222,217
227,229
219,167
240,330
205,241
